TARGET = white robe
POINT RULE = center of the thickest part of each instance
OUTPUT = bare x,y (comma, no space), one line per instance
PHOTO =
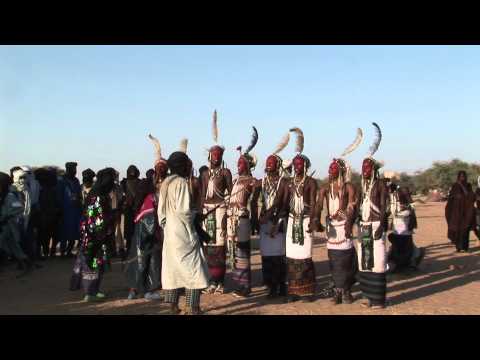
379,251
183,261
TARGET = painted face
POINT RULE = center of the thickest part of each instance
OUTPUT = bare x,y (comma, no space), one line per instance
367,168
216,155
333,171
299,165
271,165
242,166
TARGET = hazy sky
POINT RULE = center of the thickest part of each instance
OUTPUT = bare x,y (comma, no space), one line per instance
96,104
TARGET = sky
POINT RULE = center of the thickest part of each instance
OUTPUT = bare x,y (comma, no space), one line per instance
97,104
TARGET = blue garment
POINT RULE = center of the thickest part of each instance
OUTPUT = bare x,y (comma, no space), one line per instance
70,192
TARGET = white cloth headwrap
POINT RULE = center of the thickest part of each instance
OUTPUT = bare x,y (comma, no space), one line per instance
32,183
23,188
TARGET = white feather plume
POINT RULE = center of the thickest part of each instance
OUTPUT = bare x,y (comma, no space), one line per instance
184,145
215,127
378,139
283,143
356,143
300,141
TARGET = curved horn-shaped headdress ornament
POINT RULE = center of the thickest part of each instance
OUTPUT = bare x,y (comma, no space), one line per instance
183,145
253,140
252,160
299,145
376,143
283,144
351,148
158,149
300,139
356,143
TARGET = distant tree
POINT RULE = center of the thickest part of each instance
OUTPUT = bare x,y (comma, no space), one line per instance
406,180
442,174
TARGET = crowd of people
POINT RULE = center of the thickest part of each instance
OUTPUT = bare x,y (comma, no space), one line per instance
42,210
177,232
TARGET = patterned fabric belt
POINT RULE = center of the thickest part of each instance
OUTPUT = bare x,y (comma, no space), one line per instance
338,243
293,216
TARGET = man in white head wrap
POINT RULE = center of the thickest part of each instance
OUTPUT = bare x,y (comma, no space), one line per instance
20,185
14,216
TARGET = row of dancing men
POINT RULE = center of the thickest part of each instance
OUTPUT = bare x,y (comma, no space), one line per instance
290,210
206,222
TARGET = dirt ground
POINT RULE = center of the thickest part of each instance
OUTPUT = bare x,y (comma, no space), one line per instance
445,283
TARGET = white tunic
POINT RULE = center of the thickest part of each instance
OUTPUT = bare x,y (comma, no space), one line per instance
336,239
401,218
379,251
271,246
297,251
401,222
183,262
379,246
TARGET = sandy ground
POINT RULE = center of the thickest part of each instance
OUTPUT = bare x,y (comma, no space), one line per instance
445,283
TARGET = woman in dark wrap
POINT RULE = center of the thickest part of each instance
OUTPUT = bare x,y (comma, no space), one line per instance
143,263
95,228
460,212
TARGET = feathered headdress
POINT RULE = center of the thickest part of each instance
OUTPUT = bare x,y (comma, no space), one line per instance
282,144
183,145
252,160
300,141
214,135
215,127
376,143
356,143
377,165
158,149
299,145
374,148
343,164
